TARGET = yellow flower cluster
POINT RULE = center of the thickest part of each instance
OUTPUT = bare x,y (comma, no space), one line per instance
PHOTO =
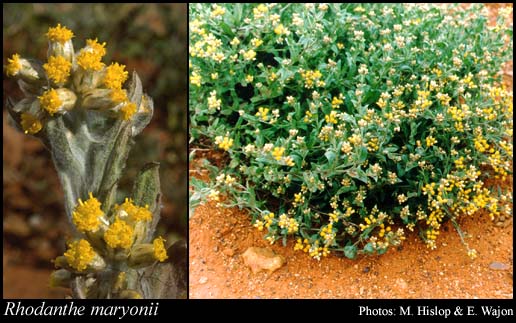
328,233
224,142
459,115
430,141
30,123
13,65
207,47
481,144
59,34
50,101
422,102
259,11
373,145
249,55
303,245
370,220
332,117
134,212
119,235
316,251
311,78
268,219
259,225
58,69
79,254
277,152
86,216
160,253
115,76
118,95
280,30
90,57
195,79
298,199
337,101
213,102
290,224
263,113
217,11
383,230
128,110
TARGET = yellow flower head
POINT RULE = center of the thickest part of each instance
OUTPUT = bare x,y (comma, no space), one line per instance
58,69
224,142
98,48
277,153
195,79
430,141
90,57
89,61
30,123
118,95
160,253
135,213
115,76
59,34
128,110
13,65
79,254
86,215
250,55
119,234
280,30
50,101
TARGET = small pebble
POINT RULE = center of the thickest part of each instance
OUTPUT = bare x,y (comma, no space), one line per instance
498,266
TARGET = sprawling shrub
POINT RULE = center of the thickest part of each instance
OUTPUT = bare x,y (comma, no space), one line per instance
346,125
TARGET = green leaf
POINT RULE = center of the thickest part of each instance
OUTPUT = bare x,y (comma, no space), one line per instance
362,155
369,249
330,155
358,173
350,251
146,191
226,29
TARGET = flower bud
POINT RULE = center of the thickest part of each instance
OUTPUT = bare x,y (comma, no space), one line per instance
97,99
85,80
60,278
80,257
103,99
57,100
60,42
142,255
58,49
29,70
145,254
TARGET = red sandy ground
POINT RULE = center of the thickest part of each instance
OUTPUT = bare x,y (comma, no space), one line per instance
218,237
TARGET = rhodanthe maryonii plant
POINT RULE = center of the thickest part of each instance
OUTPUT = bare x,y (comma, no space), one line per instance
87,116
345,125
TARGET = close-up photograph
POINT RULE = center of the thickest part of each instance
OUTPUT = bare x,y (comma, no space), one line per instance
95,151
356,151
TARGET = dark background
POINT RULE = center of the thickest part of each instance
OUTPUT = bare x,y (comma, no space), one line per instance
148,38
